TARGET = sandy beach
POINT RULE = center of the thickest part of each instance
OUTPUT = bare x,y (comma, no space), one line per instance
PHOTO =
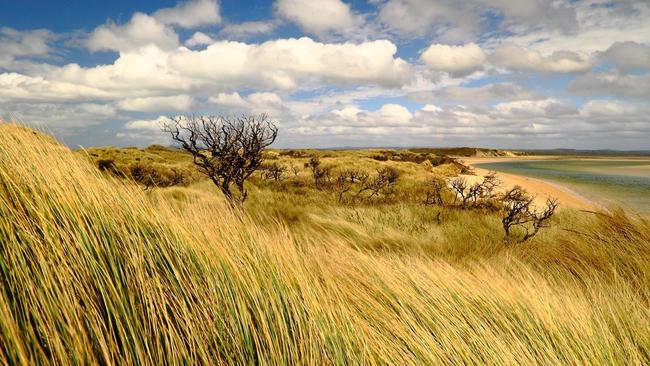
540,188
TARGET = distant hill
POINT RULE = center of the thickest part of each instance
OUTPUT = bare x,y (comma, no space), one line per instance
465,151
576,152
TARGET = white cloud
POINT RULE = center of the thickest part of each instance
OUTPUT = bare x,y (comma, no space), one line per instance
19,87
608,108
256,102
599,22
395,113
152,125
157,104
190,14
222,66
534,108
458,61
57,116
456,21
420,17
629,56
233,100
286,63
482,94
548,13
199,39
141,31
612,84
521,59
318,17
16,44
245,30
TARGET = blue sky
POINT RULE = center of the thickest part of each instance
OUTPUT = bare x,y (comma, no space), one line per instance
495,73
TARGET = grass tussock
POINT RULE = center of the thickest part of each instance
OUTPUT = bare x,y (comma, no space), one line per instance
95,270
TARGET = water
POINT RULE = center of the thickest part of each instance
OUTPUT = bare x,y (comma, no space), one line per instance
624,182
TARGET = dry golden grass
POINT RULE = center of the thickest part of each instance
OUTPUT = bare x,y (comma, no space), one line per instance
94,270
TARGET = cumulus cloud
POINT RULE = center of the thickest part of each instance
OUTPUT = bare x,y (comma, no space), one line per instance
151,125
199,39
18,44
420,17
245,30
318,17
612,84
628,56
58,116
255,102
534,108
482,94
520,59
548,13
285,63
462,20
190,14
458,61
222,66
157,104
141,31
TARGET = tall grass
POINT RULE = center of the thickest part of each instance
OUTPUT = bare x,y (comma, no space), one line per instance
94,270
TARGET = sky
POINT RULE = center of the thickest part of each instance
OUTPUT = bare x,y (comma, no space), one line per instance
334,73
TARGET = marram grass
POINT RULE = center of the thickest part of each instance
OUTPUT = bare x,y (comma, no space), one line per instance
95,271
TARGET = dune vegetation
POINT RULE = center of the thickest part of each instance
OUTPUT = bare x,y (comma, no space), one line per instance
94,269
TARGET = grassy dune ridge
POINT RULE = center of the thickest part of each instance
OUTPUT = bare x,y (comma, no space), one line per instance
95,270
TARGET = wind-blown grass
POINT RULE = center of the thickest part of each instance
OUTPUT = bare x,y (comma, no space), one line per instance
94,270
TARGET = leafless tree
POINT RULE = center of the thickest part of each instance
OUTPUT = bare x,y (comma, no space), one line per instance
354,175
273,171
460,186
382,183
477,193
226,149
518,212
295,169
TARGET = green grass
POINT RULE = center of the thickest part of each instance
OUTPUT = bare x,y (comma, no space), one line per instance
95,270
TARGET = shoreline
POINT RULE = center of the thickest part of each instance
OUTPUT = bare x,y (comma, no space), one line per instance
540,188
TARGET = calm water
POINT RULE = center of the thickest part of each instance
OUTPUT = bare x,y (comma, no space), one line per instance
625,182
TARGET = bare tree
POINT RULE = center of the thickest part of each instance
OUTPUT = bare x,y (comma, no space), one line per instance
382,183
460,185
354,175
518,212
477,193
273,171
226,149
